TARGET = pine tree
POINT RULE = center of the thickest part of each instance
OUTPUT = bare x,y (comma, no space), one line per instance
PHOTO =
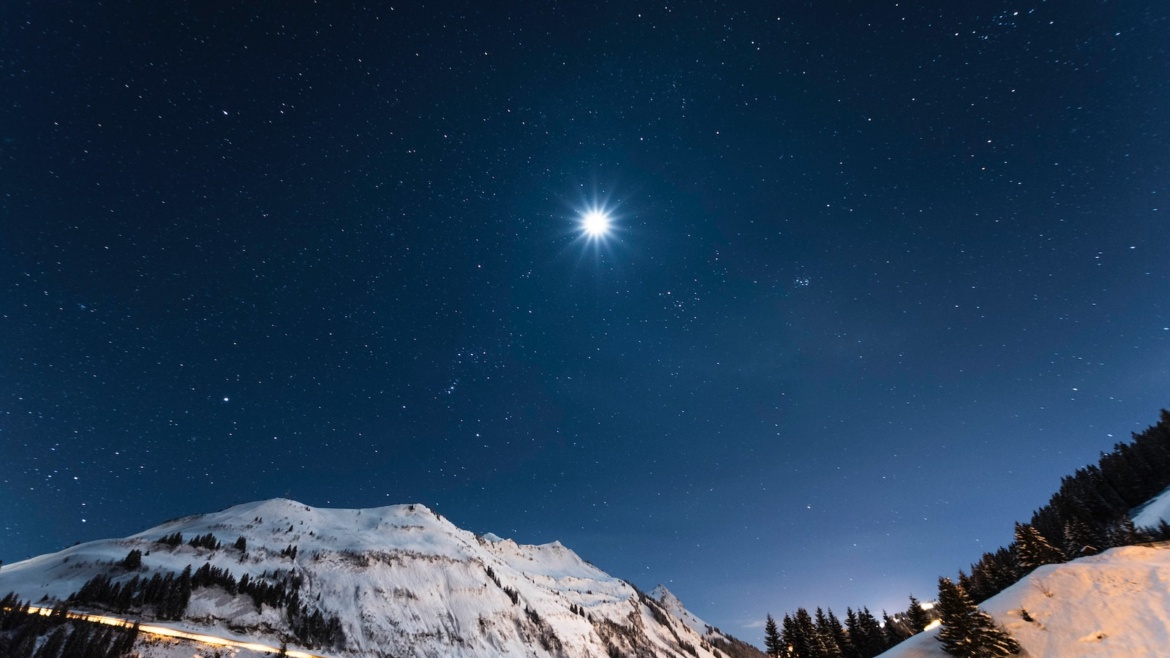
837,631
788,636
174,600
799,636
893,630
1033,550
806,644
826,638
52,647
23,646
126,642
870,641
133,560
916,617
967,631
773,646
1079,539
1122,532
1162,532
76,643
853,632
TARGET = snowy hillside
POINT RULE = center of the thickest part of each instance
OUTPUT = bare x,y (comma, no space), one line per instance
675,607
1113,605
398,580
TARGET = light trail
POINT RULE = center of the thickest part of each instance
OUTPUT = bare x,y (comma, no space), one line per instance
164,631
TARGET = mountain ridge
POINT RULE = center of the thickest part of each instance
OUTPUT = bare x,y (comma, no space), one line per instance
396,580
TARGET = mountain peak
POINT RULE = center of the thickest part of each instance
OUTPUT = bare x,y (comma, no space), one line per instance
661,594
675,607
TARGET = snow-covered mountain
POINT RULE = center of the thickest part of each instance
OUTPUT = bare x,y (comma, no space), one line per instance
390,581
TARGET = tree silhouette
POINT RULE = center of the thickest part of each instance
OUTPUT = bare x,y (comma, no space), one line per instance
967,631
773,646
1033,550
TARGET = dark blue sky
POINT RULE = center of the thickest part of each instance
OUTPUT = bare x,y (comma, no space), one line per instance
880,275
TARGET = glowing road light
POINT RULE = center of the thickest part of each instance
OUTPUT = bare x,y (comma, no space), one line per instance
165,631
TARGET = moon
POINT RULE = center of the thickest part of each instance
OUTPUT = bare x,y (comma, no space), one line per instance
595,223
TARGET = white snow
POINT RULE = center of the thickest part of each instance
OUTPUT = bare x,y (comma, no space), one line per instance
1112,605
1116,604
406,582
1152,513
403,580
676,608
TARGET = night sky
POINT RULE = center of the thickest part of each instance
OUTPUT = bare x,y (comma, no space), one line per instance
878,274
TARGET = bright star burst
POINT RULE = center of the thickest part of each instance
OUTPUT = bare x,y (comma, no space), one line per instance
595,222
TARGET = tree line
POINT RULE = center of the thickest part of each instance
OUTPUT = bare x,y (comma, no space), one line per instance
823,635
27,634
1088,514
168,596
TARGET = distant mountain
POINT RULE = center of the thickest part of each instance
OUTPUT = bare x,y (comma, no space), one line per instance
392,581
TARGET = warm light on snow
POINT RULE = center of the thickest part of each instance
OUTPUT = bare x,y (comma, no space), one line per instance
1113,605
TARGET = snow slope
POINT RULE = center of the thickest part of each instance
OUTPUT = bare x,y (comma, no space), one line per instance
403,581
1112,605
1152,513
1116,604
675,607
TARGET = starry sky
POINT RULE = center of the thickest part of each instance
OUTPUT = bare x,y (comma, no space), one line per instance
878,275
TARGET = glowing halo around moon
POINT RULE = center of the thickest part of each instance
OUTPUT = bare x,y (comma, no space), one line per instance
595,223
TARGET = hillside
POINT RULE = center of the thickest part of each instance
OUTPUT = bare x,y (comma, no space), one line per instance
1115,604
391,581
